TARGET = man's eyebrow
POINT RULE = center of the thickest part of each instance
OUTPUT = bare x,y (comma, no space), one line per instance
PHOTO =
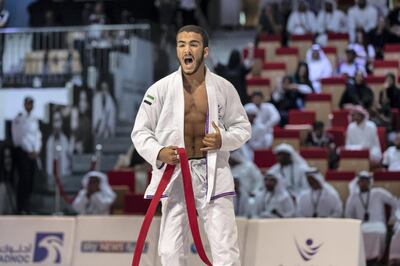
191,41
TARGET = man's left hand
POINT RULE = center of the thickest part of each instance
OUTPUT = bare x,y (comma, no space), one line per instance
212,141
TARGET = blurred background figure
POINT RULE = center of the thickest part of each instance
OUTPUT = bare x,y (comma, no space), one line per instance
302,20
319,66
96,196
104,112
27,140
330,20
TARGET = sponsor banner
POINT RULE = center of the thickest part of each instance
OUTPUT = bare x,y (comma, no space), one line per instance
194,259
36,240
304,242
111,240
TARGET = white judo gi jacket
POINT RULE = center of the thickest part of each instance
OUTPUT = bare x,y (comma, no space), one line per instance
160,123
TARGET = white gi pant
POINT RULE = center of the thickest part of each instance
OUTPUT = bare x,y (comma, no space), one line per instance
218,218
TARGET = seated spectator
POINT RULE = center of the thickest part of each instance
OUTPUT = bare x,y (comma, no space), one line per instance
389,97
287,97
302,20
235,72
320,199
394,23
302,79
364,50
357,93
258,138
4,15
318,137
319,66
361,15
273,201
96,196
394,252
241,201
292,167
391,157
379,37
330,19
381,6
362,134
367,203
269,20
350,66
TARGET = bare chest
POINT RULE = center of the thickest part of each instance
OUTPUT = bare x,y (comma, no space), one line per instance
196,104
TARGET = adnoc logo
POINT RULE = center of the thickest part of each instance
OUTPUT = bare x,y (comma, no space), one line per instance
48,247
308,249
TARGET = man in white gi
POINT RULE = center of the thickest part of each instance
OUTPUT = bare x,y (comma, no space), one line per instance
292,167
362,134
302,20
198,110
330,19
27,139
367,203
361,15
273,201
96,195
320,200
391,157
394,252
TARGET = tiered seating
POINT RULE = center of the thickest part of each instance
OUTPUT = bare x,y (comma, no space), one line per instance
340,118
388,180
122,183
257,53
291,137
383,67
340,181
392,52
335,86
297,117
316,157
259,84
288,55
331,53
274,71
340,41
338,134
269,43
321,104
354,160
264,158
302,42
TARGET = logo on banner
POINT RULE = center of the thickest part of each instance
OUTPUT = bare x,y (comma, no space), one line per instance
308,249
48,247
110,247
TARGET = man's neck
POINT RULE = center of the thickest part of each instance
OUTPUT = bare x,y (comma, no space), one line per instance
195,79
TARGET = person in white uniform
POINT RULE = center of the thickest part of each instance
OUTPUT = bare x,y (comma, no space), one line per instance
319,66
363,134
394,251
292,167
96,195
320,200
367,203
199,110
274,201
391,157
27,140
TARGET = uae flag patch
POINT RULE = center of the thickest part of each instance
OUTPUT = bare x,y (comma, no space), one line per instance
149,99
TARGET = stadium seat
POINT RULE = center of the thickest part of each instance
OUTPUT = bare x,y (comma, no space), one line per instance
121,177
274,71
383,67
264,158
316,157
302,42
118,205
340,118
354,160
331,53
298,117
321,104
338,134
340,41
392,52
382,137
135,204
340,181
291,137
395,118
288,55
259,84
269,43
257,52
335,86
388,180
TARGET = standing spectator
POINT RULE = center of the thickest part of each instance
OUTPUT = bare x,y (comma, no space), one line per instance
302,20
391,157
394,23
104,112
362,134
367,203
357,93
350,66
4,15
235,72
273,201
319,65
27,139
330,19
361,15
320,200
302,78
96,195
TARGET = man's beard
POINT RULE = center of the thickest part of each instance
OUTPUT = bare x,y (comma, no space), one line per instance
198,64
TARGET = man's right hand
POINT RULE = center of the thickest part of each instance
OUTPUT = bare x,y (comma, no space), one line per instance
169,155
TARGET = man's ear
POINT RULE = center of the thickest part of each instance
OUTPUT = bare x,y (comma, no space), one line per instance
205,52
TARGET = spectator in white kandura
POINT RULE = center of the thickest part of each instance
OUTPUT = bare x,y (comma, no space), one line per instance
362,134
96,195
391,157
292,167
367,203
381,6
320,199
361,15
330,19
350,67
394,252
319,66
258,138
267,115
274,201
302,20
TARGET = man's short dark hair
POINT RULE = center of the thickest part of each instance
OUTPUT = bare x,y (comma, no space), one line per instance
196,29
257,93
318,125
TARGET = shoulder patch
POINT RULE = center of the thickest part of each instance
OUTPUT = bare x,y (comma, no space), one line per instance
149,99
